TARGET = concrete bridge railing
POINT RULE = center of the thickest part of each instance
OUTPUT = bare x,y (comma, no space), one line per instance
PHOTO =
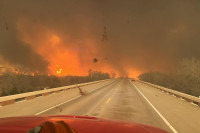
184,96
5,100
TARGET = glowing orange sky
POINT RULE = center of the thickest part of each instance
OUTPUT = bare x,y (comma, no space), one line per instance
62,54
65,56
127,39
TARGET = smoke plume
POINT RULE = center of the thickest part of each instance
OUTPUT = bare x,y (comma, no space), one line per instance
122,37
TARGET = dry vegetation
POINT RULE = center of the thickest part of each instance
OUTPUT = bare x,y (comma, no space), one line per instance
11,83
186,79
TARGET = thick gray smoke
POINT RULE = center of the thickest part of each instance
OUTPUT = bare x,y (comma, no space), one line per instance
140,34
12,50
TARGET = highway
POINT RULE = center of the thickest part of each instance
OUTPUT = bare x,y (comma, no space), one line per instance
116,99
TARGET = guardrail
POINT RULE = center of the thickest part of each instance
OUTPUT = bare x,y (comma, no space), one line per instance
184,96
5,100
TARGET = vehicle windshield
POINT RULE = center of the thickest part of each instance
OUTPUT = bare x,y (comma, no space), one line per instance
131,60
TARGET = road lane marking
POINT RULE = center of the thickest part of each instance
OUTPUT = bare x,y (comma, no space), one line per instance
108,100
165,120
68,100
56,105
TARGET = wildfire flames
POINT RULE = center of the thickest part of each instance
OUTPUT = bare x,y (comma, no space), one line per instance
64,55
59,70
121,38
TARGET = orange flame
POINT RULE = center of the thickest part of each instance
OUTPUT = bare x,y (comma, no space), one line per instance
59,70
61,49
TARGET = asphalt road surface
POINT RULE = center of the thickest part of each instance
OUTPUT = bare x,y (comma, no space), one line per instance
117,99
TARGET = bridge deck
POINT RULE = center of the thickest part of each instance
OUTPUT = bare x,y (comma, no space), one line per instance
115,99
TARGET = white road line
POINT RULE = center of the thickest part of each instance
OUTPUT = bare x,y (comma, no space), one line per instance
56,105
63,102
168,124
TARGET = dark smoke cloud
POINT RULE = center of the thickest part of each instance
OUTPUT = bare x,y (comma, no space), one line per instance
12,50
141,34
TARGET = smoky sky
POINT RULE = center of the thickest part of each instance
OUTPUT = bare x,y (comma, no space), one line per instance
141,34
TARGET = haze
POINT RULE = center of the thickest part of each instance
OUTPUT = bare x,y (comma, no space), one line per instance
124,37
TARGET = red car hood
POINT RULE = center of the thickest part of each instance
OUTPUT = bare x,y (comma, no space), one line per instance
82,124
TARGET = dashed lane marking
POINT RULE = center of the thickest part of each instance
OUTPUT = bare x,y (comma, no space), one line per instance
64,102
108,100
